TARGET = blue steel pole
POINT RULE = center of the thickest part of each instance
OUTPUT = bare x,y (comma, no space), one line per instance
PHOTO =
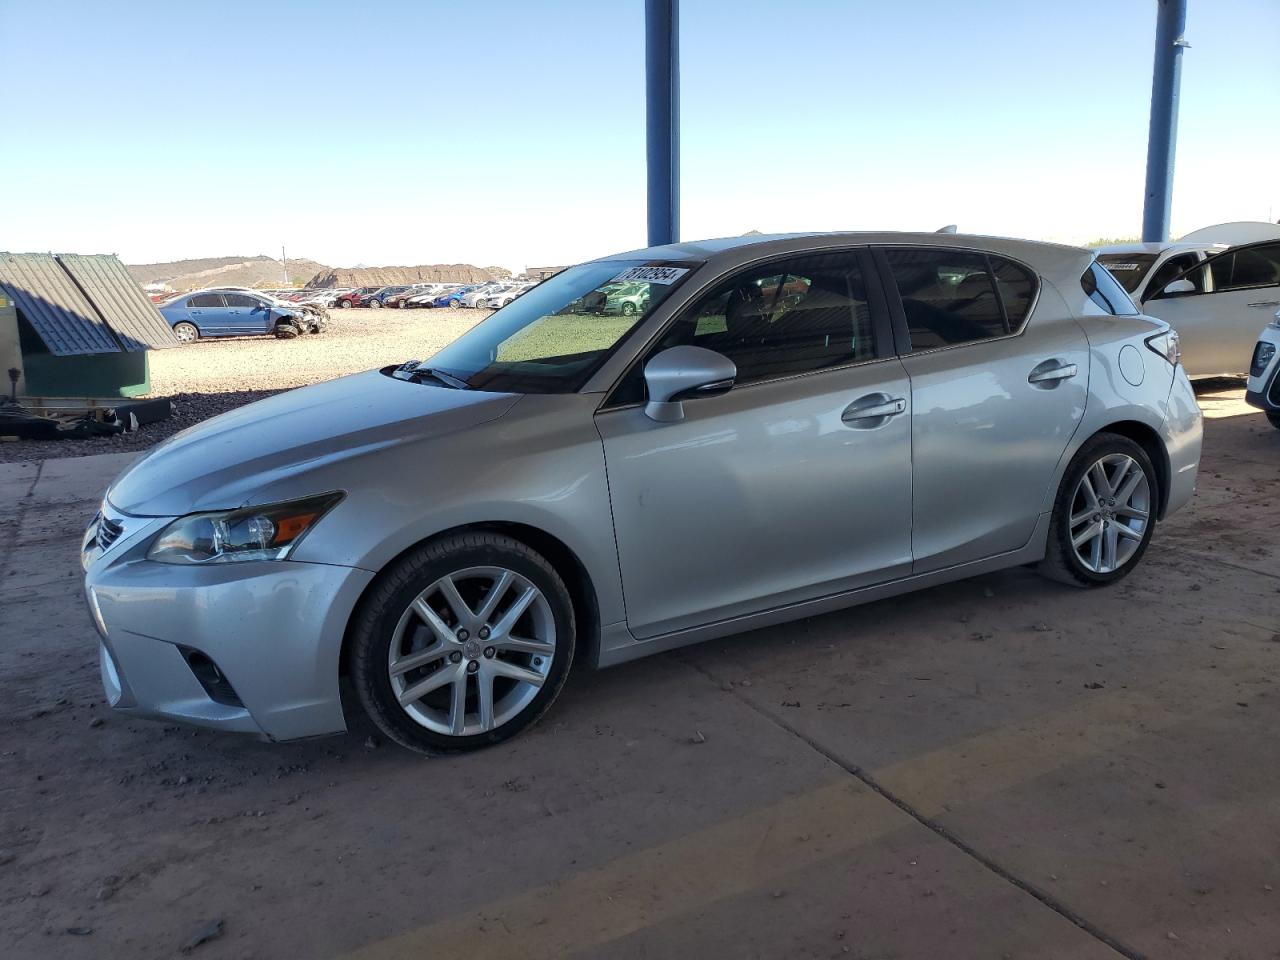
1166,78
662,116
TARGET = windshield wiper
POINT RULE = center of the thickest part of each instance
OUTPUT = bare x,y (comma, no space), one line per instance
412,372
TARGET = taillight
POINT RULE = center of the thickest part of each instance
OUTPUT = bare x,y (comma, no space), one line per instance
1166,344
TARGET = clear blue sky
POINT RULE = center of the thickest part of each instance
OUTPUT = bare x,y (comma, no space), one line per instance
509,132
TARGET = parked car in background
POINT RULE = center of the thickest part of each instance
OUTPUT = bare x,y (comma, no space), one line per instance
501,298
236,313
453,298
1207,304
1263,388
401,298
479,295
729,458
379,297
1217,305
355,297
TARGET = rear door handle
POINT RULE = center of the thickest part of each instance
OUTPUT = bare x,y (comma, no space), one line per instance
1051,371
871,410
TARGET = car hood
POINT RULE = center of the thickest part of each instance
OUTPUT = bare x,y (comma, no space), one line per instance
295,443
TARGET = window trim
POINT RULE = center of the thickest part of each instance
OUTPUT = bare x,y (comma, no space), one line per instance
902,333
877,301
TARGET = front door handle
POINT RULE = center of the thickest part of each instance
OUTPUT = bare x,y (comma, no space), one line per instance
872,410
1051,371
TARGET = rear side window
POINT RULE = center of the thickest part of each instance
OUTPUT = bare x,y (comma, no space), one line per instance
1017,287
206,300
1105,291
950,296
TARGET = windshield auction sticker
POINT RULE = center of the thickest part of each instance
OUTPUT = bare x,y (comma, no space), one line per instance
651,274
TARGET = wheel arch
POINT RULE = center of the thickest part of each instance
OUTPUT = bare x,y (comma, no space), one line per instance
582,592
1148,438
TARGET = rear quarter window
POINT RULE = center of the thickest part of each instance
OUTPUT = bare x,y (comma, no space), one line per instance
1105,291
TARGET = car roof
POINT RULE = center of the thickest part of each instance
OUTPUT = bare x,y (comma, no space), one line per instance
1123,248
726,252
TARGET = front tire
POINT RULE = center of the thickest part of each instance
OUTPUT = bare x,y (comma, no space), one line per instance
1104,514
375,304
463,643
287,331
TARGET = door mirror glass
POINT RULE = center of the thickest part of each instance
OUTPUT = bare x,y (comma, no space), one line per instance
1178,287
683,373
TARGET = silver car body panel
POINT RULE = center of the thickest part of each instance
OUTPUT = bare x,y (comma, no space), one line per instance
762,505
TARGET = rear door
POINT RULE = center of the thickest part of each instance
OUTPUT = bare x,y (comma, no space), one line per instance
999,377
1235,294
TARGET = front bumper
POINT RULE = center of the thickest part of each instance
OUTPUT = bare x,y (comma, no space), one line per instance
249,647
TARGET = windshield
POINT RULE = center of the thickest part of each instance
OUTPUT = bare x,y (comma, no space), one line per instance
553,338
1128,268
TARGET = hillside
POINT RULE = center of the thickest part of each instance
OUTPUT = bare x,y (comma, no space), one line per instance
386,276
258,271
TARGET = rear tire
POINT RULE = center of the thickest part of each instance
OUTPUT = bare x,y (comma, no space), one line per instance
1104,514
1275,419
186,332
345,304
375,304
394,647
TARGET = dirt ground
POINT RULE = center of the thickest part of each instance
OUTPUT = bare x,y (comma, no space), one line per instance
212,376
1003,767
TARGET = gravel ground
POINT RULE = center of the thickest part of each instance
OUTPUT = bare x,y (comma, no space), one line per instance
213,376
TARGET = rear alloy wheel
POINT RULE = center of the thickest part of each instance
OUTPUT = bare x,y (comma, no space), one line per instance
287,331
375,304
628,308
186,332
455,304
345,304
1104,514
464,643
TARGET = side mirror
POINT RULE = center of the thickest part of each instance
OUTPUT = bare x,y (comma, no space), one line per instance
1179,286
683,373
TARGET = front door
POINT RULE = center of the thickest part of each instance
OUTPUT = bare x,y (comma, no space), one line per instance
1218,319
995,399
795,484
246,314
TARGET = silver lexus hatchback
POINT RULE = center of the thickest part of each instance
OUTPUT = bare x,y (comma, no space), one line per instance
788,425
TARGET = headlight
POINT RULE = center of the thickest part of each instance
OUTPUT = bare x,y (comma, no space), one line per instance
1262,355
1166,344
267,532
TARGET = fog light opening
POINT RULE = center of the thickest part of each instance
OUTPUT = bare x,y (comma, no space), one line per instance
214,681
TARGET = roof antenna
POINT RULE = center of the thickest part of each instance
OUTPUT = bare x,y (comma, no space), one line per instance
949,228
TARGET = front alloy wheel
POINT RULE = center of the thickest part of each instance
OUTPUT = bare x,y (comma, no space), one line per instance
463,644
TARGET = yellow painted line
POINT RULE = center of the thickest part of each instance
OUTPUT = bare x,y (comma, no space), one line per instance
688,873
652,886
999,759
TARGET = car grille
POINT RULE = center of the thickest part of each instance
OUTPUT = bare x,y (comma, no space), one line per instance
108,531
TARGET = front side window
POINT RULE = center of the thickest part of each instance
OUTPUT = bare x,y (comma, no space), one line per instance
1101,287
791,317
242,300
552,339
950,296
1242,269
1170,270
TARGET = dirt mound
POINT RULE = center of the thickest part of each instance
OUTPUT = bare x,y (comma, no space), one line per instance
259,271
386,276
